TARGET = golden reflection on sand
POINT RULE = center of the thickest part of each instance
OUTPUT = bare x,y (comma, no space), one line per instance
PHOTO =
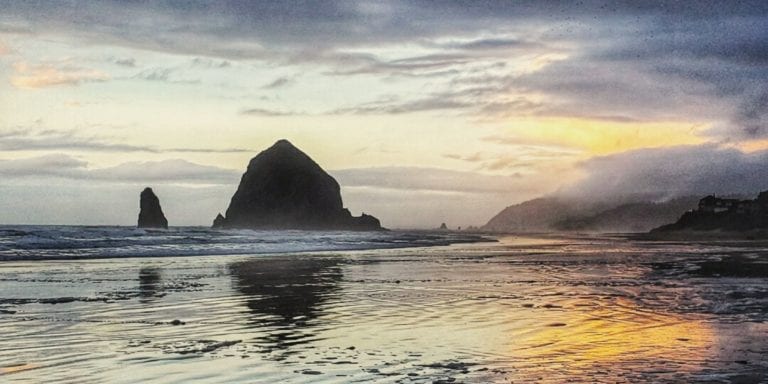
17,368
618,332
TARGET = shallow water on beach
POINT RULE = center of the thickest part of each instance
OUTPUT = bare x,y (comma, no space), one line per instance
590,309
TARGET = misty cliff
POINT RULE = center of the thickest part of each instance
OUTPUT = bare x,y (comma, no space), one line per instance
537,215
720,216
630,217
553,214
283,188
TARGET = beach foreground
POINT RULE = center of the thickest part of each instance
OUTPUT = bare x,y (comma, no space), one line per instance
525,309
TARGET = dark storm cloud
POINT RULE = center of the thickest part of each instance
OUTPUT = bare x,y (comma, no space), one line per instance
623,61
663,173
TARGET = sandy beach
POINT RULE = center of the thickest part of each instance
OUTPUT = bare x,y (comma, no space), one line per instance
590,309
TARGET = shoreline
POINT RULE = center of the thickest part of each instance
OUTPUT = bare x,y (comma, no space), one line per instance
76,243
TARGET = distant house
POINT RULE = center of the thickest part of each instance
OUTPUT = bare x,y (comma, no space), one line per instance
713,204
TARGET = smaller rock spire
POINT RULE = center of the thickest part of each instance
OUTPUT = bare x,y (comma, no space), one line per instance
150,214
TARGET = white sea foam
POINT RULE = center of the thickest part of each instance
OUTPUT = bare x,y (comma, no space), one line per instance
81,242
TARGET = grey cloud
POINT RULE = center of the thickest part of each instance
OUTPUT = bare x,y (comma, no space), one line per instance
165,75
49,165
495,43
36,139
279,82
165,171
187,26
625,61
205,150
265,112
397,107
427,179
210,63
125,62
664,173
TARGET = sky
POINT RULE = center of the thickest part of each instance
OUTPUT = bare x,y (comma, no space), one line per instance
424,111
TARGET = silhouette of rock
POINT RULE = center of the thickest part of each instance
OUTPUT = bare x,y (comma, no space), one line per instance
283,188
443,227
151,215
218,222
723,215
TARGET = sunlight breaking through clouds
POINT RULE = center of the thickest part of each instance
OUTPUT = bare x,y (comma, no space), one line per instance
34,76
554,83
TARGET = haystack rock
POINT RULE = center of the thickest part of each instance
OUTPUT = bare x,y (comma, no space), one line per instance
283,188
151,215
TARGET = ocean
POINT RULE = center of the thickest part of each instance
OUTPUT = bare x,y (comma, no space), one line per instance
121,305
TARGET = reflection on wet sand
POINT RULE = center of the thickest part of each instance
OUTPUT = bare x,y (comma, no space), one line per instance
610,332
149,283
539,311
285,295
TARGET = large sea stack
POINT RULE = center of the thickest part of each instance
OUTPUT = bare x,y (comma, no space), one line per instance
151,215
283,188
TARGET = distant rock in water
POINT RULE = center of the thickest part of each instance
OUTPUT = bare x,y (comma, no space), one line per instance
151,215
283,188
443,227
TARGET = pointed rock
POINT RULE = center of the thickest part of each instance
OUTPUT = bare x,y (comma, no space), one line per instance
151,215
218,222
283,188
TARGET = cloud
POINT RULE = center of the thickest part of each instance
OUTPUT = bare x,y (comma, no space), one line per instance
493,43
427,179
129,62
204,62
664,173
265,112
165,75
415,197
34,76
161,172
630,61
4,49
279,82
36,139
31,139
49,165
386,107
166,171
518,157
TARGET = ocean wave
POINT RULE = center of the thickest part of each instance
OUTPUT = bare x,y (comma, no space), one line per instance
88,242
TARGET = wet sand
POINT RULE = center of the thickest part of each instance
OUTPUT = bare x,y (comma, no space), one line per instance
591,309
